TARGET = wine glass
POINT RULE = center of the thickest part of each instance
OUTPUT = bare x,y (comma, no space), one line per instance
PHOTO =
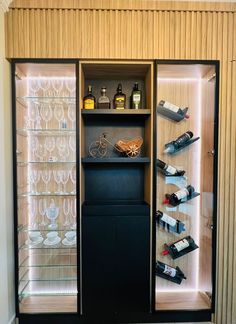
44,85
72,114
57,85
52,213
58,113
42,210
46,113
70,85
33,87
46,176
72,143
50,144
64,153
33,144
73,179
66,210
73,213
64,178
36,176
33,213
41,153
61,144
57,178
33,114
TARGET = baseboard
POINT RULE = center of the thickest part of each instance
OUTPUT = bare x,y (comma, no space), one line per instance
12,320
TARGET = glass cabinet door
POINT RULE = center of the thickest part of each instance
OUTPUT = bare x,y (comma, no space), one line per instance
45,164
185,186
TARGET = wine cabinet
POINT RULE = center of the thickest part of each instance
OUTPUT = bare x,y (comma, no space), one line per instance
110,225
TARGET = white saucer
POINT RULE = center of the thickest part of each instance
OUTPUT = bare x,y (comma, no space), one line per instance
66,242
29,242
56,241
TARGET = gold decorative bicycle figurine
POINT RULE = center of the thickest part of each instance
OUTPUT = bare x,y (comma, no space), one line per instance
129,148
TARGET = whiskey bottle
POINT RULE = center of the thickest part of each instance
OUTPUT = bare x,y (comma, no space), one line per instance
103,101
136,97
89,101
119,98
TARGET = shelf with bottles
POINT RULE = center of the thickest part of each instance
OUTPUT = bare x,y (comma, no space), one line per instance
90,113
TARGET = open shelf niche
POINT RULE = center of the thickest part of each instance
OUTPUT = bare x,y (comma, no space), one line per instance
115,177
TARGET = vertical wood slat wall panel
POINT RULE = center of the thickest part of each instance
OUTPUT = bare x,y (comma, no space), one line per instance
151,34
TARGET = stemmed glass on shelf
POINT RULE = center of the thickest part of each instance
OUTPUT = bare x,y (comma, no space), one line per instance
61,144
42,211
71,85
33,87
33,214
33,144
34,177
41,153
73,213
72,143
64,178
50,144
59,113
57,85
72,114
73,179
46,177
66,210
57,178
33,114
46,113
44,85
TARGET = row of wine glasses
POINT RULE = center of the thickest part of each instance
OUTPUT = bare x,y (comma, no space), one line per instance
61,178
45,215
52,87
44,151
46,111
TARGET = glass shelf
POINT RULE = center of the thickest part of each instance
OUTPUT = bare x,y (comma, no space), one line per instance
41,246
25,163
52,274
46,132
30,194
50,261
48,288
24,100
25,228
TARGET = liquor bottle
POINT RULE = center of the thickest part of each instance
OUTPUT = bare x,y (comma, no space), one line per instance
181,247
103,101
169,107
119,98
136,97
167,272
178,143
169,222
169,169
89,101
179,196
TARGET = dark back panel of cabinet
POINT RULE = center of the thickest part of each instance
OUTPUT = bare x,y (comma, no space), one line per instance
116,260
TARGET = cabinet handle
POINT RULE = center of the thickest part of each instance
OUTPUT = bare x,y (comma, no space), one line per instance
212,152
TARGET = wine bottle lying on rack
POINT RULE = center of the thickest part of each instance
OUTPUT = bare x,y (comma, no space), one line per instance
180,142
172,111
180,196
169,273
170,223
168,169
180,248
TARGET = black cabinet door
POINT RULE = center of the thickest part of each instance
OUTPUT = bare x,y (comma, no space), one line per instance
116,259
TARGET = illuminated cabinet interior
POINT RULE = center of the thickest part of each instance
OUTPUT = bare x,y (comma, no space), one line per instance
193,86
45,142
88,236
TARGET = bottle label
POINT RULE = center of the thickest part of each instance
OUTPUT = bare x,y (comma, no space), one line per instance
120,102
169,271
88,104
171,169
181,245
169,220
136,98
171,107
181,194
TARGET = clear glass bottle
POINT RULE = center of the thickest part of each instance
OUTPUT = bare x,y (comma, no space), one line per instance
104,101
